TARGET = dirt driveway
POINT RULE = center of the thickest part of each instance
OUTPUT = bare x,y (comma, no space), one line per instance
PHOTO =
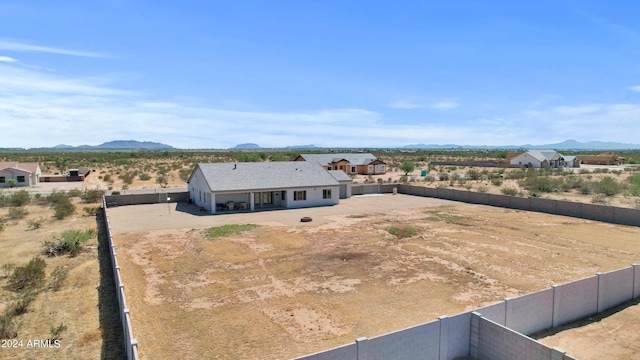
368,266
181,215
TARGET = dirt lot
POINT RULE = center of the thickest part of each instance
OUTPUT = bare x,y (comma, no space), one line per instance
75,304
286,288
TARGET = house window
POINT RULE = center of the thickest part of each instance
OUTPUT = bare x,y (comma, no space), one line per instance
326,194
328,167
299,195
2,180
20,179
284,195
353,169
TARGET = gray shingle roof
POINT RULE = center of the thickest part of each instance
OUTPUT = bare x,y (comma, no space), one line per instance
340,175
541,155
265,175
353,159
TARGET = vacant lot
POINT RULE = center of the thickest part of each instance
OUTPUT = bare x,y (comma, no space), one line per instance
363,268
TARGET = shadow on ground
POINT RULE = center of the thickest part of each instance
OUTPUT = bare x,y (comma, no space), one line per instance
584,321
112,334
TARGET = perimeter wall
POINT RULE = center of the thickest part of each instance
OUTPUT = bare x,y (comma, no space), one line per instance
499,331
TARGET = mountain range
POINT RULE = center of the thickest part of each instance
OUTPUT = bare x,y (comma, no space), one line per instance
149,145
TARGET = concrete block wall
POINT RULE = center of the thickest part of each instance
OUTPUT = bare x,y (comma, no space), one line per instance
418,342
155,198
575,300
497,342
130,342
609,214
496,312
530,313
615,288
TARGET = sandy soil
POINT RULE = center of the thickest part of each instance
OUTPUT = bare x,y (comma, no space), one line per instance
74,305
286,289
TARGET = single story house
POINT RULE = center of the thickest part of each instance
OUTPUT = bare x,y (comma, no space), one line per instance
13,173
363,164
252,186
544,158
606,158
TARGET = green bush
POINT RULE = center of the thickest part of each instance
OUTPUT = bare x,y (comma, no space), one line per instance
90,211
8,326
17,213
56,331
92,196
482,189
607,186
64,209
22,300
74,193
28,276
70,242
20,198
57,277
144,176
509,191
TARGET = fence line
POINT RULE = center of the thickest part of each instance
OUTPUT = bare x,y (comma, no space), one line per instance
130,342
605,213
456,336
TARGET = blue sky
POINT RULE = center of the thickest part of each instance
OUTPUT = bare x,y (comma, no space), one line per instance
213,74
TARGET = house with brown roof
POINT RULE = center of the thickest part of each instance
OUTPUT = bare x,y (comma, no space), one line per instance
606,158
13,173
363,164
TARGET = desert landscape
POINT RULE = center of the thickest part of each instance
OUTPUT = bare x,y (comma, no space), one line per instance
378,264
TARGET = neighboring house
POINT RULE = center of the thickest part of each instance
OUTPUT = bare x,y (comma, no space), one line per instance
24,174
254,186
363,164
544,158
606,158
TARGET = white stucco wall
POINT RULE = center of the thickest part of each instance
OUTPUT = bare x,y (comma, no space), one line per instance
525,159
198,189
314,197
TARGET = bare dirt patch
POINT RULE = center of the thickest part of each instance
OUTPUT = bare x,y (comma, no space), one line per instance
282,291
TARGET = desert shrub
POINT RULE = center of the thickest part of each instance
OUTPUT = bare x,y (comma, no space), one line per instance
69,242
497,181
509,191
402,232
107,178
74,193
429,179
144,176
404,179
162,180
19,198
607,186
443,176
90,211
57,277
115,192
599,199
482,189
128,177
56,331
64,209
34,224
7,269
28,276
473,174
2,221
8,326
56,197
22,300
228,230
184,174
17,213
92,196
380,181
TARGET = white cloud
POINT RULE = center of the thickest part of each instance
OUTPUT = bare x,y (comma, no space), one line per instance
441,105
7,59
24,47
405,105
635,88
445,105
577,110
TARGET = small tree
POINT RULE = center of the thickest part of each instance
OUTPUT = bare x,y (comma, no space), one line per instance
407,167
